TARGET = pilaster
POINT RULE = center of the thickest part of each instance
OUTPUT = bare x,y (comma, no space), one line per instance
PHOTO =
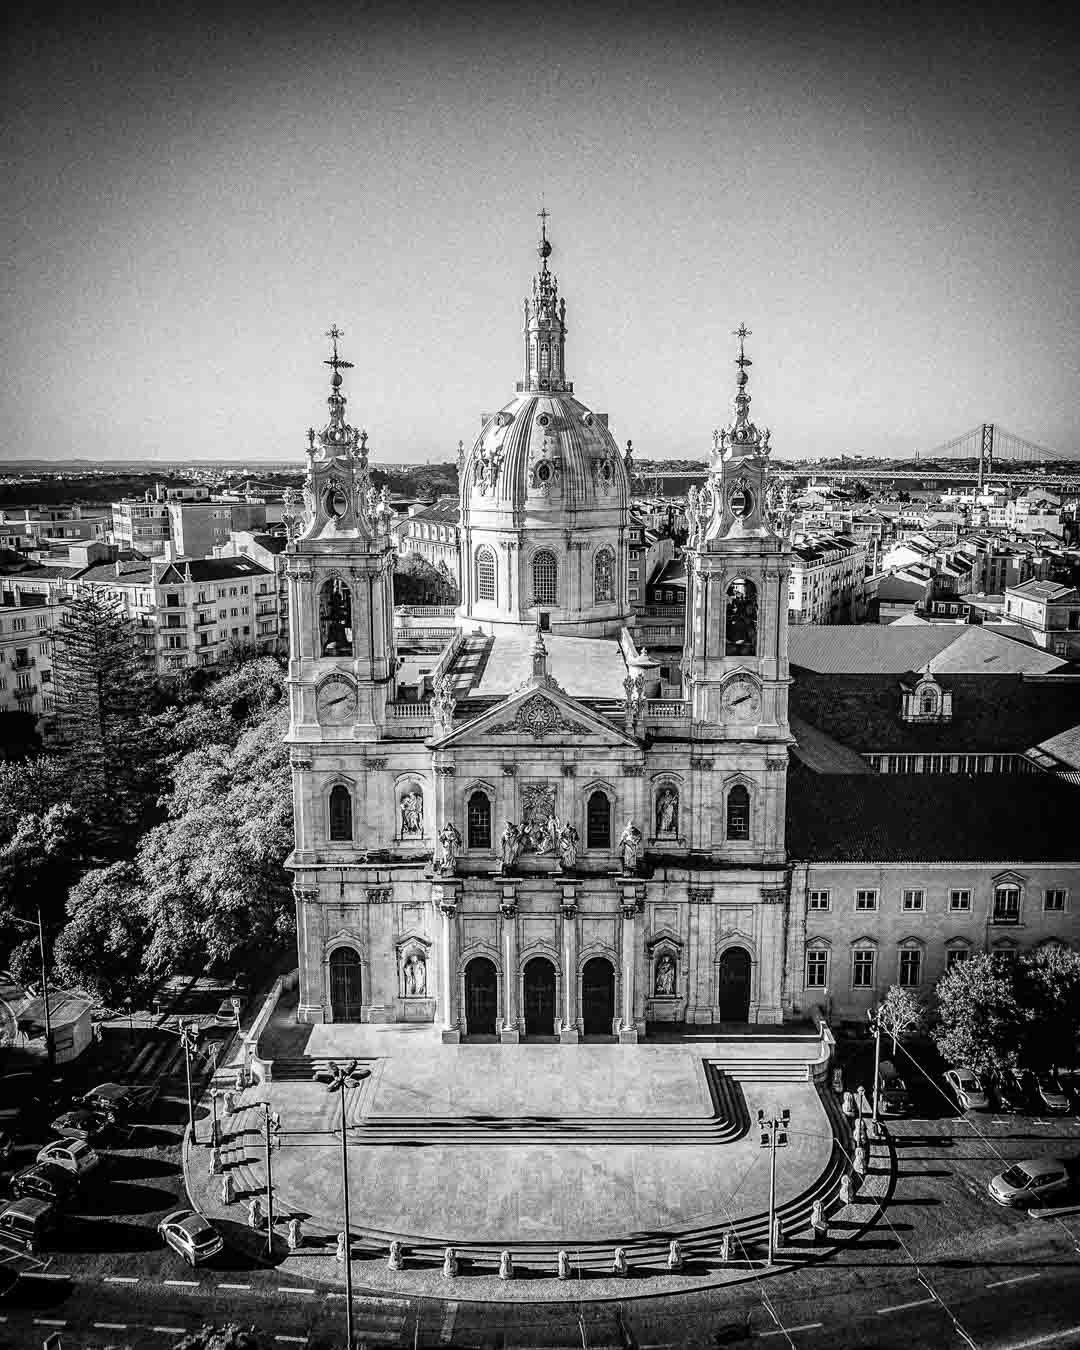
569,1033
444,896
509,1033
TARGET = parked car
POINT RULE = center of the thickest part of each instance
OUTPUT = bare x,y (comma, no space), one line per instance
1051,1095
45,1181
76,1155
191,1235
1030,1182
120,1100
1010,1091
81,1124
967,1089
226,1012
893,1096
24,1224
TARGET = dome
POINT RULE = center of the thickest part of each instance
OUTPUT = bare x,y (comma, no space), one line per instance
545,454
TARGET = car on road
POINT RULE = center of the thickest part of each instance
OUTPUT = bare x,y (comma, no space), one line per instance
1030,1182
76,1155
1011,1091
81,1124
893,1096
1051,1095
24,1223
188,1233
967,1090
45,1181
120,1100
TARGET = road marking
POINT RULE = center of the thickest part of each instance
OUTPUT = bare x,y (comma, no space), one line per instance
182,1284
172,1331
899,1307
446,1335
785,1331
110,1326
1042,1340
296,1340
289,1289
374,1301
121,1279
1013,1279
233,1286
49,1322
44,1275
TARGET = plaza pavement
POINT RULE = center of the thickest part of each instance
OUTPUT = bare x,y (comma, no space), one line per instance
532,1147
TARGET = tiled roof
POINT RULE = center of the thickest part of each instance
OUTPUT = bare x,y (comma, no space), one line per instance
930,818
1042,590
1064,748
882,649
822,753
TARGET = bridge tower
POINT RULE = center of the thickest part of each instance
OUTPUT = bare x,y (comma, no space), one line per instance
986,454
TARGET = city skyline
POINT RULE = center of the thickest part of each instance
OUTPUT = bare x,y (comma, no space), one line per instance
884,200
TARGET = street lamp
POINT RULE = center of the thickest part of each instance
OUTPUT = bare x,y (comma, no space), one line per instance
773,1134
272,1122
50,1049
337,1079
189,1039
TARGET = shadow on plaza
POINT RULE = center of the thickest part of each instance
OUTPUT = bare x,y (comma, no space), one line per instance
128,1197
131,1166
105,1235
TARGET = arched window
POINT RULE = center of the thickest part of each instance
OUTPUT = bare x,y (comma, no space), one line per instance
738,812
598,821
604,576
740,620
485,574
335,619
928,704
340,813
479,820
545,578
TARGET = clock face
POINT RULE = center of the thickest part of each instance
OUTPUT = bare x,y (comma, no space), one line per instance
335,700
741,698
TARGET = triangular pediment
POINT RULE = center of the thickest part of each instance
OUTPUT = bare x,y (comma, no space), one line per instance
537,713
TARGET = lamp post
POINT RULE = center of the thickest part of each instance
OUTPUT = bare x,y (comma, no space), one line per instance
189,1039
50,1049
337,1079
773,1135
272,1127
875,1026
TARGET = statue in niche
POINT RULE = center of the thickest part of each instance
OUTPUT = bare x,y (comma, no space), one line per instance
412,815
546,835
450,839
667,813
665,976
511,842
415,975
630,847
568,846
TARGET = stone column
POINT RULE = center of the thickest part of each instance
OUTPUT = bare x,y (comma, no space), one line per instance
302,807
510,1033
445,896
773,912
311,1006
569,1034
628,1031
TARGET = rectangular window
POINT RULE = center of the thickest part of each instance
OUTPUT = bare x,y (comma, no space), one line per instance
862,969
914,901
910,966
865,900
955,955
1007,904
1054,901
43,649
22,682
172,601
42,621
817,969
817,900
959,902
18,626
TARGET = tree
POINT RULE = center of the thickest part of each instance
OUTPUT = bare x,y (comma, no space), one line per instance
38,859
101,949
1048,981
981,1023
899,1013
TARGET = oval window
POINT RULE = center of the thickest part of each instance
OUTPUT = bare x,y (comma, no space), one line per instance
337,503
741,502
543,473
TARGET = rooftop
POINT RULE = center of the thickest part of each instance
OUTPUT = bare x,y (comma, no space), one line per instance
492,667
888,649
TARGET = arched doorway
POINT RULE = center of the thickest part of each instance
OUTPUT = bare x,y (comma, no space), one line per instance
597,997
346,988
539,997
481,997
733,995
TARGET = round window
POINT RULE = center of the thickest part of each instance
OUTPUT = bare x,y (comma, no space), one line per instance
543,419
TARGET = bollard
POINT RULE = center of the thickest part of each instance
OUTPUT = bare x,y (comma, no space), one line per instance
674,1255
215,1162
339,1254
449,1263
860,1134
847,1189
777,1233
848,1105
859,1163
228,1189
725,1247
564,1265
230,1102
818,1222
618,1264
875,1130
506,1266
294,1235
255,1212
396,1260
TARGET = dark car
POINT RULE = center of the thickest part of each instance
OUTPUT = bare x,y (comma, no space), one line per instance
24,1223
1011,1092
120,1100
44,1181
1051,1095
82,1124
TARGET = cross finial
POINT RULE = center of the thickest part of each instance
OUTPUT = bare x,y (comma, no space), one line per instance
742,333
335,361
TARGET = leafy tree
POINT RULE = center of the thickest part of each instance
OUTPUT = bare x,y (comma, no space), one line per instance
1048,981
101,949
981,1023
417,582
38,859
900,1013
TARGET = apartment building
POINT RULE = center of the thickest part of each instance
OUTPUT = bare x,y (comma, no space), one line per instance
1050,611
827,582
26,650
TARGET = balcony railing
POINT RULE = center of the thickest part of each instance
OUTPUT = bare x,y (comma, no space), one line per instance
667,709
409,712
23,662
425,611
23,694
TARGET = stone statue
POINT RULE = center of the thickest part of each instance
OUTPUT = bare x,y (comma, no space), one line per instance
228,1189
295,1235
416,976
564,1265
450,839
511,843
396,1259
665,976
449,1263
618,1264
568,846
546,836
630,847
412,815
674,1255
254,1212
506,1266
667,812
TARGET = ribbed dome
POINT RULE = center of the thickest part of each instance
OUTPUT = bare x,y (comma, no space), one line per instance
548,453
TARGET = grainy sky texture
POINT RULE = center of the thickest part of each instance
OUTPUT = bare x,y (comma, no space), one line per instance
886,195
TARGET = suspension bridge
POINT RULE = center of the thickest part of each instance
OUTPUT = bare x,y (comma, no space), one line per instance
987,444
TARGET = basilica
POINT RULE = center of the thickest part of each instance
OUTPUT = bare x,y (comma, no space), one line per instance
545,842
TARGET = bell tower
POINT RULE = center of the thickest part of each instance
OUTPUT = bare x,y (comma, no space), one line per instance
545,328
735,648
340,577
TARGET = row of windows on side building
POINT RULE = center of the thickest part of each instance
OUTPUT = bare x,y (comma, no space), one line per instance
1006,909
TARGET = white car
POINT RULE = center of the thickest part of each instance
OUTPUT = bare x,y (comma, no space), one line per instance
191,1235
967,1089
1029,1182
74,1154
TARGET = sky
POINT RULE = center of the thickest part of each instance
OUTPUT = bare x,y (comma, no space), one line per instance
885,195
